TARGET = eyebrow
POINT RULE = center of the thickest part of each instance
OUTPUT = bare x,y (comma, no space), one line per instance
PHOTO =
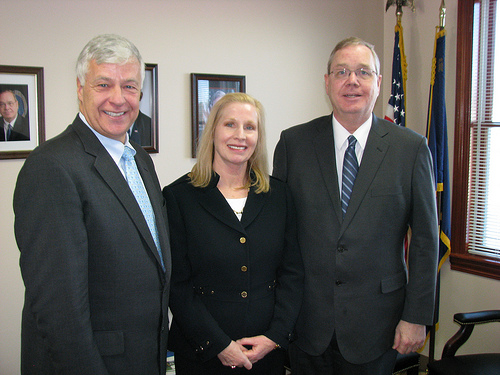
347,67
104,78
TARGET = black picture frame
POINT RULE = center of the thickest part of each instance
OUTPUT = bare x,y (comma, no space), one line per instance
145,129
205,89
27,85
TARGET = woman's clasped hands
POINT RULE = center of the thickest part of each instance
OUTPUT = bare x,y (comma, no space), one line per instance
246,351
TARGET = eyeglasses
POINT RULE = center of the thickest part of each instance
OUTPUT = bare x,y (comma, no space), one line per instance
361,73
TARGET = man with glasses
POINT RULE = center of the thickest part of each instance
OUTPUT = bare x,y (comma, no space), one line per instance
359,182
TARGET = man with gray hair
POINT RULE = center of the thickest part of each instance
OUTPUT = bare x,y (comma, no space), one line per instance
91,227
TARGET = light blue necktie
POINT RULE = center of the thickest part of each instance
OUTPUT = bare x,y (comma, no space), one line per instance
135,182
349,172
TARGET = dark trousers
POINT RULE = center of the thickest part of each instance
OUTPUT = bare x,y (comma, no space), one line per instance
331,362
272,364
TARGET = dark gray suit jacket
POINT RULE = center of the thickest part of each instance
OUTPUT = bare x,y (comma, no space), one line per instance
356,277
96,295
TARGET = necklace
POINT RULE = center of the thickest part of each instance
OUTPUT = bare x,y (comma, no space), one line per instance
238,212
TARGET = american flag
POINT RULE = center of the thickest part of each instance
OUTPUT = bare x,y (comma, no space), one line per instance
396,107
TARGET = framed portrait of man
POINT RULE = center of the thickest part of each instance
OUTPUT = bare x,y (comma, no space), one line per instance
22,125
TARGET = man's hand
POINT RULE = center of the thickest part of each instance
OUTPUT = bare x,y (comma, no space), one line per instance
261,345
233,356
409,337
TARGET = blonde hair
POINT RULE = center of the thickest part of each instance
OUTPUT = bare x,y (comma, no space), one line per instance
257,166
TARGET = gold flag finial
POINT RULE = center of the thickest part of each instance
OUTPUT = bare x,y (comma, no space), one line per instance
442,15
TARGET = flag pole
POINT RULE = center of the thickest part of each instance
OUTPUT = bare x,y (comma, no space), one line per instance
432,333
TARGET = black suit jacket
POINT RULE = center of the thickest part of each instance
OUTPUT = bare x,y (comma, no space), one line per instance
356,278
96,295
141,130
20,130
231,279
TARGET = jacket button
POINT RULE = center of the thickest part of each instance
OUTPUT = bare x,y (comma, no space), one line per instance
243,240
244,294
338,282
244,269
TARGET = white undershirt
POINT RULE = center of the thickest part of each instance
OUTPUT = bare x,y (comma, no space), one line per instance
237,205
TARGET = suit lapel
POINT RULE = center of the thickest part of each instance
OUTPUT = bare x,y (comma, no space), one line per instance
214,202
374,154
324,146
110,173
255,203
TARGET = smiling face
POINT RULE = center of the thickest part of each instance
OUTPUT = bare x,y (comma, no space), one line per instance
235,137
110,98
8,106
352,99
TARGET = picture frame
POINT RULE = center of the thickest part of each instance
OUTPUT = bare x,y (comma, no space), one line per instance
21,103
206,89
145,129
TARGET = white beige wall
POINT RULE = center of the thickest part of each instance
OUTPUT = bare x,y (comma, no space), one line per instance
281,46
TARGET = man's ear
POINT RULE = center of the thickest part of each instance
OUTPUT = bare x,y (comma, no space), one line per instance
79,89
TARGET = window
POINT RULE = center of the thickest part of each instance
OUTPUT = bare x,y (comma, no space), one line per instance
475,246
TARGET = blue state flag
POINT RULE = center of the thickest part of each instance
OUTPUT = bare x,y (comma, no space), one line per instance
437,136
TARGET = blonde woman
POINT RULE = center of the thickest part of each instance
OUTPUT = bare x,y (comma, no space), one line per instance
237,269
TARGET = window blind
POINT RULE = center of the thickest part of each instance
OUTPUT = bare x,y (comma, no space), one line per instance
483,229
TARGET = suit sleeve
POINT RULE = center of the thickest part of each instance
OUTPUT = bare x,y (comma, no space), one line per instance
423,251
51,235
279,160
197,324
290,283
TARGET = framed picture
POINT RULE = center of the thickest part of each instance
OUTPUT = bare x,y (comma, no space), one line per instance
206,89
22,116
145,129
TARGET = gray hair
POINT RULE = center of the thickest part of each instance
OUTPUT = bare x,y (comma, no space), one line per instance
107,49
354,41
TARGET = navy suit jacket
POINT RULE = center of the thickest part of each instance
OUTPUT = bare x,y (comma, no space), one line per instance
356,277
96,295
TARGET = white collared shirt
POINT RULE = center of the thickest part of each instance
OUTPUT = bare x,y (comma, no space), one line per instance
340,135
115,148
6,126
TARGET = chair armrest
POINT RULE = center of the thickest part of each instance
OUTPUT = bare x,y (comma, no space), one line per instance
477,317
467,322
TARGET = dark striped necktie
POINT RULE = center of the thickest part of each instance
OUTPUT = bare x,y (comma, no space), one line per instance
349,172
